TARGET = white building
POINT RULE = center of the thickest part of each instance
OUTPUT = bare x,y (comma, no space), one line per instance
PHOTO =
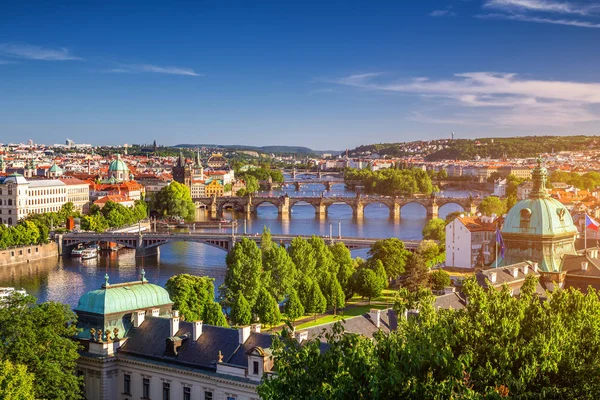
20,197
500,188
468,239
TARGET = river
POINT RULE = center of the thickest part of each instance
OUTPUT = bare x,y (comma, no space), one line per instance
65,280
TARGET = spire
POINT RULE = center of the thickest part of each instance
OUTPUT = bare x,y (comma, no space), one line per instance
106,284
181,160
539,176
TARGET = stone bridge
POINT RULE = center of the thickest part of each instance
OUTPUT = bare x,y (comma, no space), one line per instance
284,204
326,183
147,244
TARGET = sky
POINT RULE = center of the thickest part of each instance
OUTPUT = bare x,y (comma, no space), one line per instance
327,74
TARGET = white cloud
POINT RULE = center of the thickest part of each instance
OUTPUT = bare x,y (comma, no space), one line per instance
442,13
504,98
539,20
550,6
139,68
31,52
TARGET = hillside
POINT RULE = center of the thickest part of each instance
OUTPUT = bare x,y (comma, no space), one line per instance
468,149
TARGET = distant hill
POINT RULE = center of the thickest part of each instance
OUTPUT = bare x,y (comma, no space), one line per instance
468,149
264,149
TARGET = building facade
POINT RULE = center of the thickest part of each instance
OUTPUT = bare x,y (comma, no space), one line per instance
470,242
136,346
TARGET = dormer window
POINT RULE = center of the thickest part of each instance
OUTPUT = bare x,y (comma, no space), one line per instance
525,218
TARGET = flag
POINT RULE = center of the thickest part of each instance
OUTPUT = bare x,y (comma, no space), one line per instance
591,223
500,242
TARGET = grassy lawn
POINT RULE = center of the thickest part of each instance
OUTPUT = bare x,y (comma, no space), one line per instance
348,313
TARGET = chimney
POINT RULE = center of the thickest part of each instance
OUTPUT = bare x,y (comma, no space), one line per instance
301,336
535,267
375,316
584,265
449,289
255,328
196,330
243,334
526,269
174,323
492,277
515,272
138,318
155,312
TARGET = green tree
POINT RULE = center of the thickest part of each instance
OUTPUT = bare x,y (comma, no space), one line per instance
452,216
380,272
439,279
266,308
343,258
213,315
266,243
334,294
15,382
279,271
435,229
293,307
369,285
417,273
392,254
39,336
191,295
244,266
428,249
241,312
252,185
174,200
492,205
315,301
303,256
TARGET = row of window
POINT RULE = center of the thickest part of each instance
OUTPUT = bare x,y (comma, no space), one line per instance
8,221
47,200
9,190
45,192
166,390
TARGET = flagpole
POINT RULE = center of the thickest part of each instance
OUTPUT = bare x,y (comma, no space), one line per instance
496,252
585,234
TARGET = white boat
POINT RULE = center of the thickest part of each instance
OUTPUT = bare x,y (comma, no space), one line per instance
89,253
6,292
76,252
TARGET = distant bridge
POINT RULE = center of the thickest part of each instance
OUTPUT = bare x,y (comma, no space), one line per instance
326,183
284,204
148,243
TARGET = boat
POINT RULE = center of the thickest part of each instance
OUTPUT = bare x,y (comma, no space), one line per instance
76,252
6,292
89,253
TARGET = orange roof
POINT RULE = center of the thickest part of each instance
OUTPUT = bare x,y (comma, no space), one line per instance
114,198
476,224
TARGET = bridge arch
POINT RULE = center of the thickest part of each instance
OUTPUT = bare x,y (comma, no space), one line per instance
302,203
341,205
415,205
375,208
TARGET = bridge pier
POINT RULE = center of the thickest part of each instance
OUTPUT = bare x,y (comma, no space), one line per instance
321,209
358,210
395,212
146,252
432,210
297,186
284,207
328,186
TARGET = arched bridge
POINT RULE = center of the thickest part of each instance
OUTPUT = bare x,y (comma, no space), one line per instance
284,204
148,243
326,183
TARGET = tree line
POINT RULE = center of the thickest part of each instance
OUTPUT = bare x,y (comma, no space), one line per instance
391,181
498,346
113,215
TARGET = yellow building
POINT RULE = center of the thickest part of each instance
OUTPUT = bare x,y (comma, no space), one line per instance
214,187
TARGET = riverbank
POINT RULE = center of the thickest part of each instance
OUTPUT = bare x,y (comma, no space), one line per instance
26,254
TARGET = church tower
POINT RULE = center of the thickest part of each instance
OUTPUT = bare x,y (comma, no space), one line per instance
182,172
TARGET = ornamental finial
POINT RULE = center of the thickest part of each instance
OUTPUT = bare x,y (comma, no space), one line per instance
106,280
144,275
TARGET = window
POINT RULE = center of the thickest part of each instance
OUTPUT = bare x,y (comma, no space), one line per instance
166,391
187,393
146,388
255,367
208,396
127,384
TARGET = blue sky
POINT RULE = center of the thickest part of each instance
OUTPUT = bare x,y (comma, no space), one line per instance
324,74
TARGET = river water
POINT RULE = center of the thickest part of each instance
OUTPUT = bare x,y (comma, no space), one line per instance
66,279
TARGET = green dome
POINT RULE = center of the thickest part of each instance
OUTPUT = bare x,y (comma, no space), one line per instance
540,216
55,168
122,298
118,165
